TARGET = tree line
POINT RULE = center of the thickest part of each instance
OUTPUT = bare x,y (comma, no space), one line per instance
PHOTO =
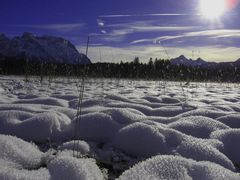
158,69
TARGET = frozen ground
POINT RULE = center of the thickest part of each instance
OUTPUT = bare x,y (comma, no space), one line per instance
128,129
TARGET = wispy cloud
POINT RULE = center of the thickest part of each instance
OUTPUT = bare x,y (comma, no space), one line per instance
118,35
219,33
150,25
100,22
144,15
141,41
198,38
56,27
163,28
119,31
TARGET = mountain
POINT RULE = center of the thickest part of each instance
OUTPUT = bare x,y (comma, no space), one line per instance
200,62
41,48
237,62
182,60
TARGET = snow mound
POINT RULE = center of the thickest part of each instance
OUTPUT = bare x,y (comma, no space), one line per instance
125,115
71,113
232,120
169,100
169,111
139,107
22,107
81,146
49,125
203,112
197,126
140,139
66,167
148,139
89,102
98,127
45,101
117,98
200,150
13,114
85,104
230,139
9,118
16,150
67,97
12,171
178,168
152,99
39,128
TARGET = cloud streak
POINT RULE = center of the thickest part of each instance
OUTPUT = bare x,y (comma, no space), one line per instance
163,28
206,37
146,15
119,31
219,33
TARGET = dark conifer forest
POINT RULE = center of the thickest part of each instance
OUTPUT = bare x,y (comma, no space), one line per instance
157,69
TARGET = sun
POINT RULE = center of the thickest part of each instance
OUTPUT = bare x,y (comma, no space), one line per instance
213,9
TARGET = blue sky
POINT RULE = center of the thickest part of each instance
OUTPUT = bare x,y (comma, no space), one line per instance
123,29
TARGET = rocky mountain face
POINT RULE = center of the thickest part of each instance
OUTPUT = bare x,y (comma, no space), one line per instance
41,48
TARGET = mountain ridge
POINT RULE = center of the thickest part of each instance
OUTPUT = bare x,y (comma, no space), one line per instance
41,48
182,60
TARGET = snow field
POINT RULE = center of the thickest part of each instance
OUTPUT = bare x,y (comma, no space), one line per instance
122,123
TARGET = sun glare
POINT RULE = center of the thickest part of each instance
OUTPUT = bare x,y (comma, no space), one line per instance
212,9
